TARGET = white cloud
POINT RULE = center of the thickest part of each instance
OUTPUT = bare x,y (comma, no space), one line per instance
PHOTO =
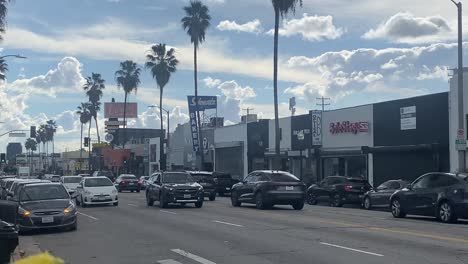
407,28
254,26
211,83
67,77
150,119
232,90
311,28
438,72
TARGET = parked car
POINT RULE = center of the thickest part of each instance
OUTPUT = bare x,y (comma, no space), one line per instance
224,182
206,180
7,185
3,183
96,190
380,196
108,174
442,195
55,178
127,182
13,192
71,183
268,188
174,187
46,205
144,182
338,190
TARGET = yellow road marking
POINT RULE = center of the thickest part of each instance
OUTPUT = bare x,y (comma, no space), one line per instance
451,239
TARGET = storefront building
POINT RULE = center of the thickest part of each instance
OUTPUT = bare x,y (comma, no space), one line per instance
230,150
285,143
257,137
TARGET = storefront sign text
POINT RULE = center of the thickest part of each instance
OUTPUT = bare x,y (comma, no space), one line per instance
349,127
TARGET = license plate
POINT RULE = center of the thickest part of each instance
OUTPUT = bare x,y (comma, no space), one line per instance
289,188
47,220
132,183
187,196
101,198
227,188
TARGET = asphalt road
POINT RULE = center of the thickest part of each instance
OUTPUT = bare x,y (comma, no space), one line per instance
219,233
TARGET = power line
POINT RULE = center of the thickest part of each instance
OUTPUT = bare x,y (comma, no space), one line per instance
322,103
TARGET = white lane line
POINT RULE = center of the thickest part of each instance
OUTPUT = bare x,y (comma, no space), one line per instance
169,261
134,205
92,217
192,256
167,212
226,223
352,249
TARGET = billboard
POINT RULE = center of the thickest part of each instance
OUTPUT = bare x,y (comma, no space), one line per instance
116,110
204,102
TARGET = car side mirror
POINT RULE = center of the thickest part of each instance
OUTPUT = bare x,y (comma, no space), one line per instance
74,195
9,194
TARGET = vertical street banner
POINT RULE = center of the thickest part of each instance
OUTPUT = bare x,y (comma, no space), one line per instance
204,102
316,128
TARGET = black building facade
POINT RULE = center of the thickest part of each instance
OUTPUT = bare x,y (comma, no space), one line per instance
257,143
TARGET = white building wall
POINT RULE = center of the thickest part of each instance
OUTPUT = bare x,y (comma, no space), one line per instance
453,116
285,126
151,142
232,135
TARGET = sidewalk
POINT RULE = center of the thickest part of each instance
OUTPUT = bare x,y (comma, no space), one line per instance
27,247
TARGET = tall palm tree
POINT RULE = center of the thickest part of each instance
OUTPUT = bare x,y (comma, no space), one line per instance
196,22
41,132
85,117
93,87
128,78
162,63
282,9
3,13
31,146
51,130
3,69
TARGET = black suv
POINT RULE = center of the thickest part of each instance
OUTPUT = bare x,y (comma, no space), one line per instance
205,179
224,182
174,187
108,174
442,195
338,190
267,188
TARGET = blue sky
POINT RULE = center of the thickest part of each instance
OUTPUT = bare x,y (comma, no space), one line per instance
355,54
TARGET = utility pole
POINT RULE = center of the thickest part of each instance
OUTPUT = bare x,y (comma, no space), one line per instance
461,110
323,104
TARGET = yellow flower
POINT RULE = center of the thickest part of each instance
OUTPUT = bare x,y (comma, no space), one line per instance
44,258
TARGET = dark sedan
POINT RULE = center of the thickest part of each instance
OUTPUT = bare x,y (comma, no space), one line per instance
46,205
380,196
268,188
127,182
338,190
442,195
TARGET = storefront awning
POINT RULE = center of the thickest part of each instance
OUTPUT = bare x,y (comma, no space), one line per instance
403,148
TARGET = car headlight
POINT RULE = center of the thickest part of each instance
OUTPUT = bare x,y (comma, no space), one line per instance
69,209
200,188
87,192
114,191
23,212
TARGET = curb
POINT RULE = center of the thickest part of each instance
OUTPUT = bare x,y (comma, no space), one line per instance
27,247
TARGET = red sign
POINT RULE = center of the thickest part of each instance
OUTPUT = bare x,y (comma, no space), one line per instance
116,110
349,127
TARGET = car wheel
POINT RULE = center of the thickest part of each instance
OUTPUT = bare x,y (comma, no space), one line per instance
138,191
335,200
367,203
259,201
212,196
235,200
298,205
77,202
397,211
82,202
149,201
199,204
221,194
162,202
119,189
132,190
446,213
312,199
116,204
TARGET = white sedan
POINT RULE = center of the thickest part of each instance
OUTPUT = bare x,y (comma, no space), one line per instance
96,190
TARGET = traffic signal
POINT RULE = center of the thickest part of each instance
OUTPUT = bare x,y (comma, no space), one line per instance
2,158
32,133
86,141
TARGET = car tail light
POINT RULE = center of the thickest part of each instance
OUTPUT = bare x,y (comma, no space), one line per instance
215,180
348,188
122,182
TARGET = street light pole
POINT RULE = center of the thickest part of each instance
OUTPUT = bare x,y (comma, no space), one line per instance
13,55
461,110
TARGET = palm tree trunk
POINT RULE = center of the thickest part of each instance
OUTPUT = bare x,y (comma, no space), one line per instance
47,156
81,145
200,137
125,123
162,160
97,130
89,145
276,164
53,157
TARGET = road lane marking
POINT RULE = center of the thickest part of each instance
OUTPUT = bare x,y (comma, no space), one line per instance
352,249
169,261
134,205
451,239
167,212
92,217
192,256
226,223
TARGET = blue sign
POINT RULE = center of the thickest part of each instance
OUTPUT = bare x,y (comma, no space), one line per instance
204,102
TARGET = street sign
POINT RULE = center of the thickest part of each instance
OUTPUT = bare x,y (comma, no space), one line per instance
16,134
115,123
460,134
112,127
109,137
460,144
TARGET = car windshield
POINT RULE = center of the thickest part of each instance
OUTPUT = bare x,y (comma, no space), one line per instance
177,178
97,182
71,179
202,177
282,177
43,192
128,178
